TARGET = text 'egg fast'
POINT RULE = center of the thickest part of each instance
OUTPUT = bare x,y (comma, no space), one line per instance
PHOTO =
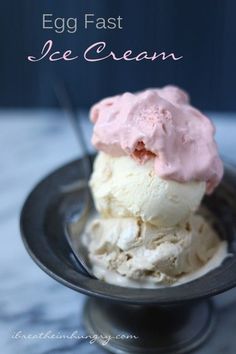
72,24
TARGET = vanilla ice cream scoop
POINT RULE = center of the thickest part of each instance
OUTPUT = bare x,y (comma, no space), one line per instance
122,187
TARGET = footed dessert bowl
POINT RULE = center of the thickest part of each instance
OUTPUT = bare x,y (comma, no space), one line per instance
169,319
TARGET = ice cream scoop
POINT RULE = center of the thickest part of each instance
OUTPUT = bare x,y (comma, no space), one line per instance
159,125
122,187
126,251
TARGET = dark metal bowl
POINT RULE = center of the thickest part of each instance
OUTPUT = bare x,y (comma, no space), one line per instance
43,236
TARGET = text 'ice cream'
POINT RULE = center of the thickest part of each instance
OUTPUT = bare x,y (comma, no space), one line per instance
157,159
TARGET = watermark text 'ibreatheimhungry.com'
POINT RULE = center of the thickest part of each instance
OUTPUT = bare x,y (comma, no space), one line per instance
75,335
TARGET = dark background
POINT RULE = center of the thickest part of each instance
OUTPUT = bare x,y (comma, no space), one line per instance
203,31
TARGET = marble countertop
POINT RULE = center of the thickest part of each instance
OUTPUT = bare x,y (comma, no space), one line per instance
33,143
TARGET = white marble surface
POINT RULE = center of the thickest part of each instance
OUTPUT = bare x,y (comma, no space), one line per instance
33,143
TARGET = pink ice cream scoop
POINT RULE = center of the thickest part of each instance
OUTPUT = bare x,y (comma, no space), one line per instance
159,124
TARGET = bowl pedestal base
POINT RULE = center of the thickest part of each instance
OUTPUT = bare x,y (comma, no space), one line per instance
147,329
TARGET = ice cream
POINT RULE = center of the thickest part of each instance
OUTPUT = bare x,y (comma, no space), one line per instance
157,159
161,125
129,252
124,188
